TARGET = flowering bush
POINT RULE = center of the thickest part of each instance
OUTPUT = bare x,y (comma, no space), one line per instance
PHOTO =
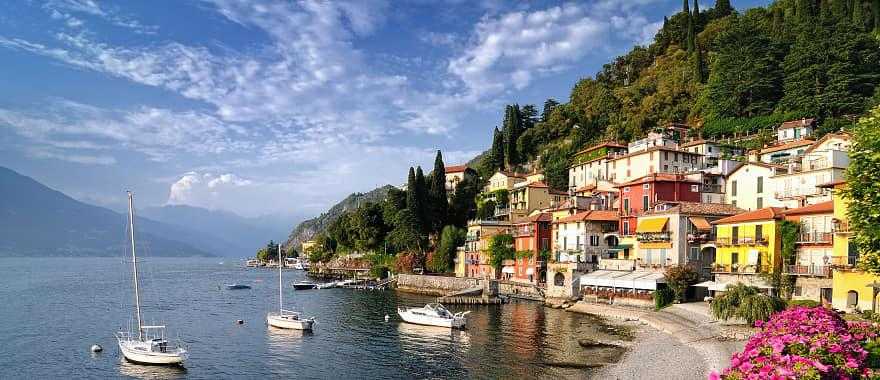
805,343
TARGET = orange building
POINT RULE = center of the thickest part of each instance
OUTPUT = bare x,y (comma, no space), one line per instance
530,238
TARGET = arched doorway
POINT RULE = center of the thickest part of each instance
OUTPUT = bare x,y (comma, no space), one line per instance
559,279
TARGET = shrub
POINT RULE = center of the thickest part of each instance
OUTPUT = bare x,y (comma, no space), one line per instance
745,302
679,277
804,342
663,297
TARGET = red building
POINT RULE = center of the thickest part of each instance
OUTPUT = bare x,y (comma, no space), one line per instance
531,235
643,193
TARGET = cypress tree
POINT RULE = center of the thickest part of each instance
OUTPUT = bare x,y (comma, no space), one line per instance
875,8
803,11
550,104
684,7
722,8
839,10
421,196
690,33
858,15
411,200
698,65
696,9
497,150
511,131
439,202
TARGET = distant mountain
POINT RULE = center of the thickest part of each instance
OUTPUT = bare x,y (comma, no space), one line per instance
38,221
231,234
309,228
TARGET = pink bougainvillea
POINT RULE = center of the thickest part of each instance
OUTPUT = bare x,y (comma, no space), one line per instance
804,343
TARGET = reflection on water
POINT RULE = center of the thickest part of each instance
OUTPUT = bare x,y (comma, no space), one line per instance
351,340
150,372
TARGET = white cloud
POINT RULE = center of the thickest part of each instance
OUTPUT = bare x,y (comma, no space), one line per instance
63,9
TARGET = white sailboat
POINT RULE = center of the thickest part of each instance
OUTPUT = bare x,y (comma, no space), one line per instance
149,345
287,319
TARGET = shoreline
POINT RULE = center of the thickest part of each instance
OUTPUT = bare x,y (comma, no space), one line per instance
678,342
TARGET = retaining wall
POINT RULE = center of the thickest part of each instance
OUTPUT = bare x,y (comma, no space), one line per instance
435,285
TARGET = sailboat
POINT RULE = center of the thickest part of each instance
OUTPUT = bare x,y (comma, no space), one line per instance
149,345
286,319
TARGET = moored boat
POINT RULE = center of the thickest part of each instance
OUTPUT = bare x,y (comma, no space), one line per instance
237,286
287,319
304,285
433,314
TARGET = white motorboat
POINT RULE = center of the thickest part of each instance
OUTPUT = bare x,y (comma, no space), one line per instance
149,345
433,314
287,319
328,285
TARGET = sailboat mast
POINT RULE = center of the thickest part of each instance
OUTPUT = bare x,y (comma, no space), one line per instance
280,284
137,296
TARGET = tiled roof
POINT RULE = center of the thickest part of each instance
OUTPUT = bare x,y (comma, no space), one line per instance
512,174
698,208
766,213
832,184
538,184
456,168
591,215
786,146
818,208
658,177
797,123
756,163
541,217
842,135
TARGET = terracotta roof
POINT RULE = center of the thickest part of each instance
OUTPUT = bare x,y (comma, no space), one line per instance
558,192
767,213
512,174
699,208
538,184
797,123
756,163
456,168
842,135
612,144
658,177
541,217
591,215
696,142
832,184
786,146
818,208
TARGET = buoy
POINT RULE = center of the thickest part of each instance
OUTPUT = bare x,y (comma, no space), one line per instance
97,348
240,321
387,317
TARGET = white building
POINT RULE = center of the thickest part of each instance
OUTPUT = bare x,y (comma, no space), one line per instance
823,162
752,186
795,130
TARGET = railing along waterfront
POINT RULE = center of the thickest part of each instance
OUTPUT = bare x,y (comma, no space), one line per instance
734,268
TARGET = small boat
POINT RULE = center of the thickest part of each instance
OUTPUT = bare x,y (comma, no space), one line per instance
252,263
328,285
304,285
148,345
433,314
287,319
237,286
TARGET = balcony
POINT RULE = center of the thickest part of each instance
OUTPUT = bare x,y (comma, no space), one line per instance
741,240
809,270
815,237
472,237
799,192
508,263
840,226
700,238
743,269
654,237
499,211
524,231
712,188
617,264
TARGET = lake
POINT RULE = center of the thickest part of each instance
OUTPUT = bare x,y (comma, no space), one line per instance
54,309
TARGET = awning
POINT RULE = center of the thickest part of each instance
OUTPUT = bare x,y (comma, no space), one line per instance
507,270
712,285
654,225
623,279
701,223
620,247
530,271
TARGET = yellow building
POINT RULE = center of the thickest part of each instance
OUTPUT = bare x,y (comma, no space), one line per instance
851,289
502,180
747,245
526,197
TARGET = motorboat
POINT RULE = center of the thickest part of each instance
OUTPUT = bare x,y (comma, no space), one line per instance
237,286
328,285
288,319
433,314
252,263
304,285
149,345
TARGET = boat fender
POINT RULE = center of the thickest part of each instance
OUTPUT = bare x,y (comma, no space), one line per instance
387,317
97,348
239,322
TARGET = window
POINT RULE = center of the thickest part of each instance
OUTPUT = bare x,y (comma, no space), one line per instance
759,203
733,202
734,258
852,299
626,189
734,234
710,149
644,202
626,227
759,230
626,205
578,241
733,188
665,168
646,186
594,240
695,188
676,156
760,185
695,254
665,155
798,291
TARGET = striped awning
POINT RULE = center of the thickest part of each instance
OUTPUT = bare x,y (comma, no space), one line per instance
701,223
654,225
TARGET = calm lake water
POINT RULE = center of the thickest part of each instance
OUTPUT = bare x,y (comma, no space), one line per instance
54,309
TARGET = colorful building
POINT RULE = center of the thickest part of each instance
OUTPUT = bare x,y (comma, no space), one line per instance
657,159
455,174
852,287
795,129
503,180
531,237
527,197
814,257
593,164
642,194
480,233
751,186
747,245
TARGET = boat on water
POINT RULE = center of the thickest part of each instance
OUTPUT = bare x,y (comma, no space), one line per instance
328,285
433,314
149,344
304,285
287,319
252,263
237,286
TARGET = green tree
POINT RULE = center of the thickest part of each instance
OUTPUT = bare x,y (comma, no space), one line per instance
858,15
556,163
406,234
497,152
450,239
422,211
722,8
529,116
863,191
745,302
394,201
746,76
500,249
368,228
875,9
511,130
549,105
414,198
439,204
463,204
679,278
691,35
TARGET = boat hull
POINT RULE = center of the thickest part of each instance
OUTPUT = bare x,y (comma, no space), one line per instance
305,286
451,323
151,358
289,323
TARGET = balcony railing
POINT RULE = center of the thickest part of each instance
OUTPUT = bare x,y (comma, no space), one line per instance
712,188
841,226
736,268
508,262
655,237
472,237
815,237
809,270
502,211
700,237
798,192
617,264
523,231
740,240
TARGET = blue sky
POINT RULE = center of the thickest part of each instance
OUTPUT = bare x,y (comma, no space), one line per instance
281,107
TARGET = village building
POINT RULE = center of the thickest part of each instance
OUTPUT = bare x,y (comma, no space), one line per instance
795,130
643,193
751,186
823,162
814,257
658,159
784,152
592,165
747,246
503,180
712,151
527,197
531,239
476,257
578,241
455,174
852,288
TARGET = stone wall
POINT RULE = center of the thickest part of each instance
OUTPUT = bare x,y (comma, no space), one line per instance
435,285
519,290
